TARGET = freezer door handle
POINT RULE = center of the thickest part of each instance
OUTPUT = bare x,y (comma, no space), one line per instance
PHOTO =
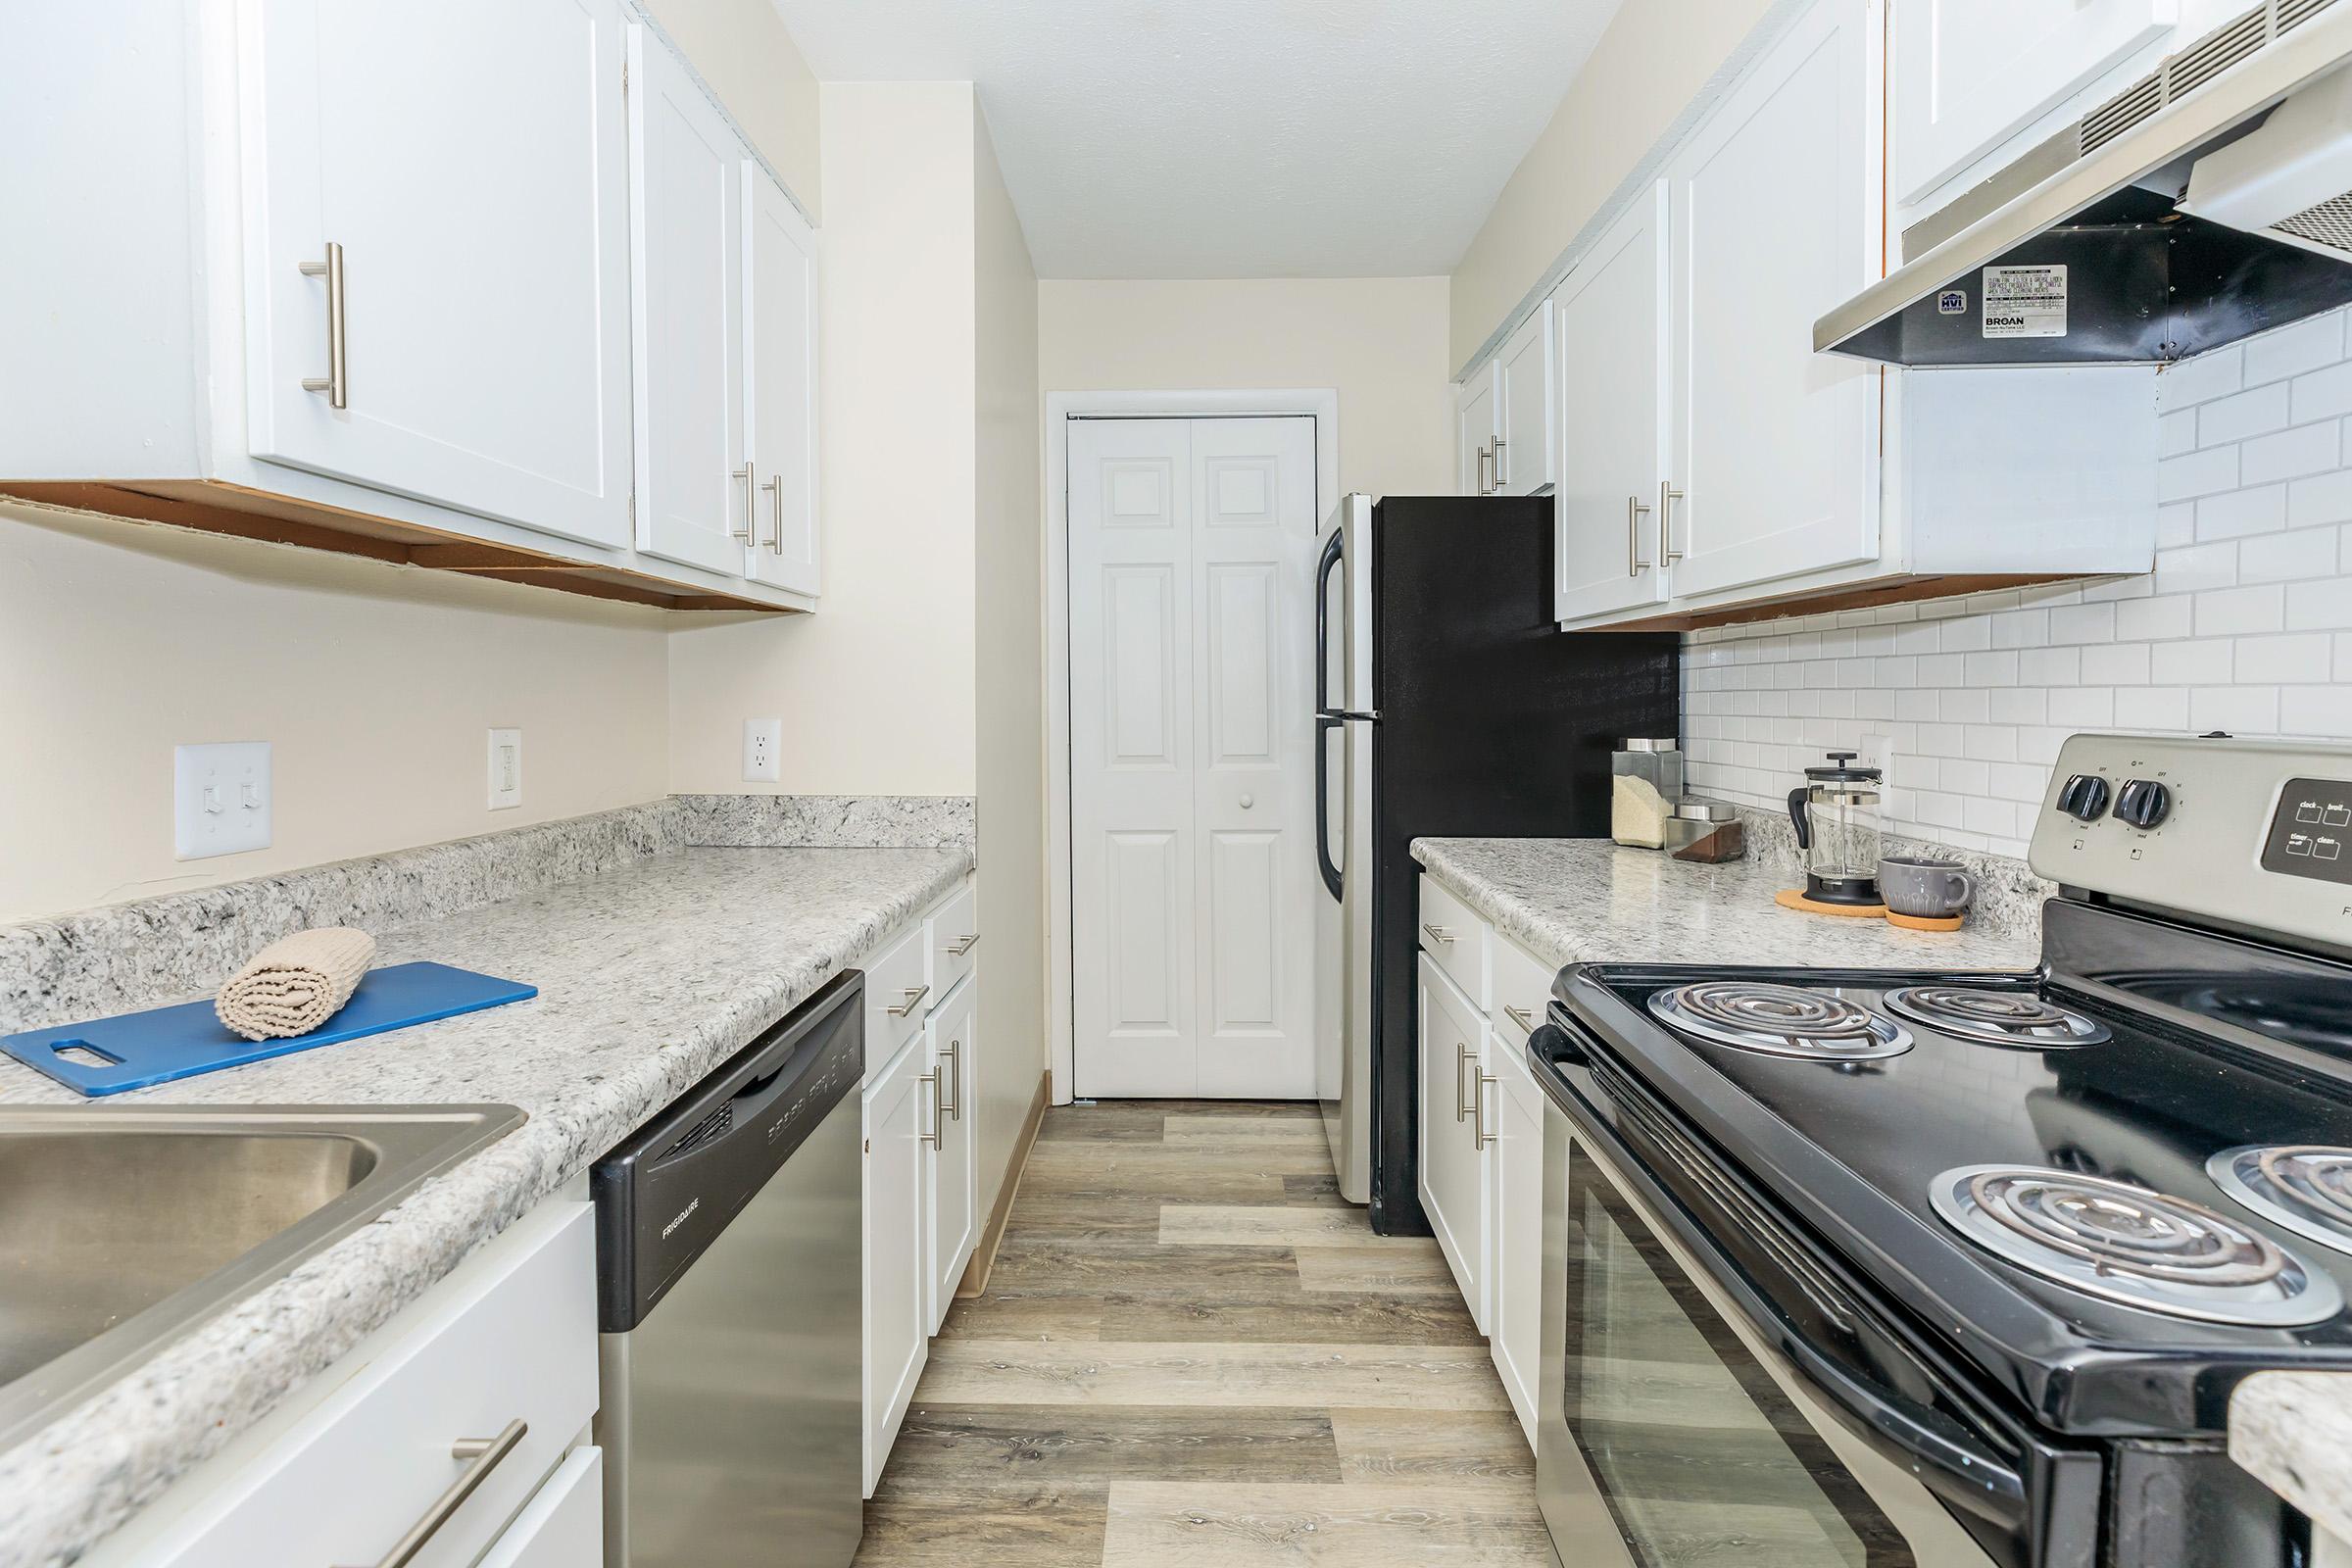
1331,873
1333,550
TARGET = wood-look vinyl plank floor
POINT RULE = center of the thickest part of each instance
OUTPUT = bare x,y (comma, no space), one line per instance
1192,1352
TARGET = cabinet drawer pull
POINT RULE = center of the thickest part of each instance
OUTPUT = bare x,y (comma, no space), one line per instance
955,1106
1524,1017
964,945
1635,511
914,994
932,1137
748,474
1501,472
1478,1110
481,1456
1438,933
1461,1059
774,486
1668,495
335,383
1479,485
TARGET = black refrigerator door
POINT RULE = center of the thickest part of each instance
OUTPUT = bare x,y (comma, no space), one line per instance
1493,724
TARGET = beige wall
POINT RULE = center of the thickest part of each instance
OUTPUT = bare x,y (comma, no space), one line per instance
374,684
1381,341
740,49
1009,669
875,691
1648,66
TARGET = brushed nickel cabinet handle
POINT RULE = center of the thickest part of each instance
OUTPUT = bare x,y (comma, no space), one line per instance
1502,473
748,474
1461,1057
1478,1111
481,1456
1438,933
956,1080
336,382
1478,485
774,486
914,994
964,945
1635,511
1524,1017
932,1137
1668,495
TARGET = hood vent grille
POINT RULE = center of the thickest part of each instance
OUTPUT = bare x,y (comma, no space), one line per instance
2194,66
2329,223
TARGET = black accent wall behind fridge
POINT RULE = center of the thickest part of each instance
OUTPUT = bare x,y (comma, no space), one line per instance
1492,725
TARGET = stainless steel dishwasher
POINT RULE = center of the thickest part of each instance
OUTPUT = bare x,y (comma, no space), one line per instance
729,1276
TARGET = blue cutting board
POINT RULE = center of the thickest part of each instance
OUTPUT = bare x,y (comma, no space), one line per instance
139,1049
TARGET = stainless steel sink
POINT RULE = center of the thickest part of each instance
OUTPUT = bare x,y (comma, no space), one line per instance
120,1227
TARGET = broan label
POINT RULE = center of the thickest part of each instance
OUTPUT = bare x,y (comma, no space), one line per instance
2025,302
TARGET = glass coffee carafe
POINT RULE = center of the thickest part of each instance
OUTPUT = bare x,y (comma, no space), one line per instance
1836,817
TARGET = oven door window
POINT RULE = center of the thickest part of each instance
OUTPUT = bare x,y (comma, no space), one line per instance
1699,1454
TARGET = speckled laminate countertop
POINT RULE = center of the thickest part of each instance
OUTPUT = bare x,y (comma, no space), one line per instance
2293,1430
648,976
1583,900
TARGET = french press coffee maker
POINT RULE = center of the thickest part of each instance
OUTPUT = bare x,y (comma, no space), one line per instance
1836,817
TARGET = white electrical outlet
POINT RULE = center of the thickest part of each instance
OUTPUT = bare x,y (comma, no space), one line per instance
220,799
506,768
762,739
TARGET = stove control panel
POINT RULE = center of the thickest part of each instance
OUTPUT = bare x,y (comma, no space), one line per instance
2249,833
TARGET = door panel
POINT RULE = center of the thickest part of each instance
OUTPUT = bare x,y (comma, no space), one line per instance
694,503
485,249
1776,219
1192,545
1613,378
1524,450
779,308
1475,433
896,1110
1452,1038
952,1163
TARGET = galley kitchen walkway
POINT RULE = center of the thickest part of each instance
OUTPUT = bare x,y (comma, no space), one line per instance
1191,1351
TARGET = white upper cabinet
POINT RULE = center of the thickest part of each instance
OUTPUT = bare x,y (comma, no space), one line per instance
1475,429
1970,74
779,318
1776,218
695,499
436,286
1525,446
1610,317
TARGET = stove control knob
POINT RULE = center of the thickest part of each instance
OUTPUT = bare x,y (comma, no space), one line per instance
2085,798
2144,803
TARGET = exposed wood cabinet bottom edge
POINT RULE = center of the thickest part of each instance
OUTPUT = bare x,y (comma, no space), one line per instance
1845,595
992,1234
212,506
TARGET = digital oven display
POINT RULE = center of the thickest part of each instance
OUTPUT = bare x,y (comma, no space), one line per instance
2311,835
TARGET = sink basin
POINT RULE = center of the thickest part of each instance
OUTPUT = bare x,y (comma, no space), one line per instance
122,1227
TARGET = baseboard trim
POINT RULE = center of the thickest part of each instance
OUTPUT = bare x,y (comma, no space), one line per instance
984,1255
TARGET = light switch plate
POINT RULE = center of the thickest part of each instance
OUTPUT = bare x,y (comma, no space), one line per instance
762,739
506,768
220,799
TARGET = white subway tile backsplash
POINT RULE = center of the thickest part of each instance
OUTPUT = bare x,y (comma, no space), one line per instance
2244,625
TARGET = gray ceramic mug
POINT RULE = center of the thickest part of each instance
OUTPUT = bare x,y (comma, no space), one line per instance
1926,890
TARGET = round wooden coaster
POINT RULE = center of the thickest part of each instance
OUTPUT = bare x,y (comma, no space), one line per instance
1923,922
1791,898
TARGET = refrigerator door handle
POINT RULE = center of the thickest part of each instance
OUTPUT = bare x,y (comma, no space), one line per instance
1333,550
1331,873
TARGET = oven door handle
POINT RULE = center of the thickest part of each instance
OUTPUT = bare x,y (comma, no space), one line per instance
1962,1472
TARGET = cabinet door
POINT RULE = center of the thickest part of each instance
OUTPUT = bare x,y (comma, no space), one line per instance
1525,450
1970,74
897,1112
468,157
695,500
563,1526
1474,432
1454,1186
779,328
1613,375
951,1164
1514,1113
1776,218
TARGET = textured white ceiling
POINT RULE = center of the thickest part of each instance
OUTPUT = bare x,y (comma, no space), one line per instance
1234,138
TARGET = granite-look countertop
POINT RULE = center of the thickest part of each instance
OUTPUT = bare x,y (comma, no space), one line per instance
650,975
2293,1430
1585,900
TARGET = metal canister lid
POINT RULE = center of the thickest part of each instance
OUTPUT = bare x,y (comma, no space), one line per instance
1698,809
1645,744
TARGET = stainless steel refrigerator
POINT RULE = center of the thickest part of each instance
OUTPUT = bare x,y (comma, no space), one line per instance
1447,704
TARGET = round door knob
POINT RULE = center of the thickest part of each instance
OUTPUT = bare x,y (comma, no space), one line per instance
1248,800
2085,797
2144,803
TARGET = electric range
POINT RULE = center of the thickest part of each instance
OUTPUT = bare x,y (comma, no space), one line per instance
1926,1268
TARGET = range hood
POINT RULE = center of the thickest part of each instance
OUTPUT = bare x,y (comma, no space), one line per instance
2210,200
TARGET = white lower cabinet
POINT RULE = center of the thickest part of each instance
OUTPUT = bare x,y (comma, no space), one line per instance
1454,1180
1515,1110
897,1113
952,1156
366,1451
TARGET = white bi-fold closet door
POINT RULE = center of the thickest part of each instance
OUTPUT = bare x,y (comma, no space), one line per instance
1191,545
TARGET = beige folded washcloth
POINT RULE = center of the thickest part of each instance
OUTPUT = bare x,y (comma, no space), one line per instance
295,984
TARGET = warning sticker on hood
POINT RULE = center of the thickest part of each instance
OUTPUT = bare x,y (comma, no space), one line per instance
2025,302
